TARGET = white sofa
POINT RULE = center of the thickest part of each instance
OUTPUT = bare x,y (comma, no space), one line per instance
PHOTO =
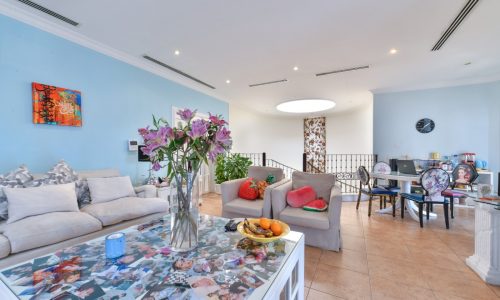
38,235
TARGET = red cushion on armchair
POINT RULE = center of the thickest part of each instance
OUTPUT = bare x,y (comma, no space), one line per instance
300,196
248,190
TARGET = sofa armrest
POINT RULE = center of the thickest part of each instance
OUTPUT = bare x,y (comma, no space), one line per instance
267,209
335,206
145,191
278,197
229,189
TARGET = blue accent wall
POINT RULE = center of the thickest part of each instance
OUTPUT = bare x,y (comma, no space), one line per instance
117,98
467,120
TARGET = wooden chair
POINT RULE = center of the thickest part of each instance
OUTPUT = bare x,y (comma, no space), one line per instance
366,188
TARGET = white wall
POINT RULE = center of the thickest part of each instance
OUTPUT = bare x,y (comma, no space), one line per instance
282,138
351,132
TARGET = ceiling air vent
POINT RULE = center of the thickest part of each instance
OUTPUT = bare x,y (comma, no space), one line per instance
49,12
269,82
454,25
177,71
343,70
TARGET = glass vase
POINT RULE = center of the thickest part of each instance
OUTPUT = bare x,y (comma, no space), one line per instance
184,215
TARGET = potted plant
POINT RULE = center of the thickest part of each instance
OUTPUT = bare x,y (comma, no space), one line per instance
233,166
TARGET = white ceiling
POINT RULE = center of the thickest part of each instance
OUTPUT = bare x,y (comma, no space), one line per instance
257,41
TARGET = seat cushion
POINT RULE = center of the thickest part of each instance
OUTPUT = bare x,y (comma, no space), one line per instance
245,207
4,246
127,208
300,217
452,193
380,191
413,197
50,228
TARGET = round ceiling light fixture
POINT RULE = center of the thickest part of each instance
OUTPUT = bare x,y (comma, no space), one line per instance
305,105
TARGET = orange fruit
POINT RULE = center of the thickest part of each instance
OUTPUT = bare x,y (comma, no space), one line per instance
264,223
276,228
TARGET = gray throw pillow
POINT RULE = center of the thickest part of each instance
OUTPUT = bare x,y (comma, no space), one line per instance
110,188
40,200
62,173
13,179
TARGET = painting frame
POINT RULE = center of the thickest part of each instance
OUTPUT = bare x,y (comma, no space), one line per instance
54,105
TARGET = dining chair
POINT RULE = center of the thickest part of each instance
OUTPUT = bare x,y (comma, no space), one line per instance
366,188
433,181
463,174
384,168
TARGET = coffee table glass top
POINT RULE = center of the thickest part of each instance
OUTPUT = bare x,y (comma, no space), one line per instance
224,266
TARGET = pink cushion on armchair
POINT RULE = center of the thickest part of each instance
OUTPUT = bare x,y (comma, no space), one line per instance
301,196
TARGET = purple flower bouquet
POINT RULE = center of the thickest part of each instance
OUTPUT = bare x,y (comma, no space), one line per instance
183,150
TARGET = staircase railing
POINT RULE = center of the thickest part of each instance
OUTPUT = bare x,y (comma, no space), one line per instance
286,169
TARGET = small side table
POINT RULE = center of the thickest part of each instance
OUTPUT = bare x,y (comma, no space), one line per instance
486,259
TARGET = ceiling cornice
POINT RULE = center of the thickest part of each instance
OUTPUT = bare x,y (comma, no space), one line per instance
34,20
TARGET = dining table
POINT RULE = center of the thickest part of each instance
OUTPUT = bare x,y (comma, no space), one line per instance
404,182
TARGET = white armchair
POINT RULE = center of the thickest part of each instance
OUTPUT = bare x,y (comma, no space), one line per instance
321,229
235,207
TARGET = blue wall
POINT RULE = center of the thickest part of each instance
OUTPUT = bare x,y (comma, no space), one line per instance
117,98
467,120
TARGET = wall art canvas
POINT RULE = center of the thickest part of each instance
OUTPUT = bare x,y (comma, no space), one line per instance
56,106
315,144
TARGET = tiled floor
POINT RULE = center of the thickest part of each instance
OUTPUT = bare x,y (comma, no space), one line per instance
386,258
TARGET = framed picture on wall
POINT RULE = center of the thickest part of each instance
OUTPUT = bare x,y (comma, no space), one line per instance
56,106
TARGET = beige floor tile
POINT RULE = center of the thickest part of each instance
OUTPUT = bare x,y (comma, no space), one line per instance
388,249
312,253
306,292
495,289
309,272
396,271
348,259
456,283
353,243
317,295
352,230
342,283
388,289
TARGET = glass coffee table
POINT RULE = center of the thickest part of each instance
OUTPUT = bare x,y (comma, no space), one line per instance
225,265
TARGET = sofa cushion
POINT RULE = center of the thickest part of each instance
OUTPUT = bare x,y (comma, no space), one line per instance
300,196
4,246
127,208
40,200
300,217
13,179
248,190
321,183
245,207
50,228
106,189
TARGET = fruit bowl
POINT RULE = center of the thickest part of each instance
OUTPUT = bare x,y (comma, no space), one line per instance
285,230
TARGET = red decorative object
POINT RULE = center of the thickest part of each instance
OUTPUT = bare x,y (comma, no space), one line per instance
316,205
248,190
300,197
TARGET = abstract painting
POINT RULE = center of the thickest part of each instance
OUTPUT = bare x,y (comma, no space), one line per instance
56,106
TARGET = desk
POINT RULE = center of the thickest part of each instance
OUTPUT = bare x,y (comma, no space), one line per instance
405,181
224,263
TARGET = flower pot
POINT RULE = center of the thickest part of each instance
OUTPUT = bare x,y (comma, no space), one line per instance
184,215
217,189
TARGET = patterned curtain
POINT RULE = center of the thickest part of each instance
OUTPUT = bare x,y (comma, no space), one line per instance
315,144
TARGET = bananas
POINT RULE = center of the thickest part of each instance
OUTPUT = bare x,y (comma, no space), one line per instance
256,230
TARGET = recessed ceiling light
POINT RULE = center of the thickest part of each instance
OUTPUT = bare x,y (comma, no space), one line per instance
295,68
177,52
228,81
467,63
305,105
393,51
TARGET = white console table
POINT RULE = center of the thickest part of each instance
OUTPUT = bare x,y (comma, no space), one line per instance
486,259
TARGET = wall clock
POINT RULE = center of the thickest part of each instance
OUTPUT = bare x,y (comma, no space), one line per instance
425,125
